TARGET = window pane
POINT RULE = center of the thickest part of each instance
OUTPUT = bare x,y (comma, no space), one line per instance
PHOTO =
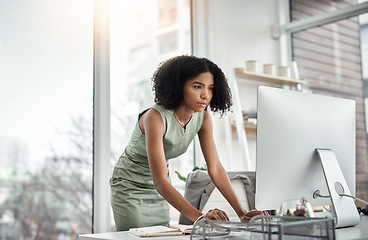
329,57
45,118
144,33
363,22
304,9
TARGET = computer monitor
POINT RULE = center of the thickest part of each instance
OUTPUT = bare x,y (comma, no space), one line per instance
291,125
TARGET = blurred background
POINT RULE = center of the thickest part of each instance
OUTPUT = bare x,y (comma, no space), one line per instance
47,90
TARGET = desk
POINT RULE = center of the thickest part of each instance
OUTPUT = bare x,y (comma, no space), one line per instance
125,236
358,232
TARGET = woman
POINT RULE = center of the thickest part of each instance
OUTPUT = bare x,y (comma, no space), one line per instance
185,88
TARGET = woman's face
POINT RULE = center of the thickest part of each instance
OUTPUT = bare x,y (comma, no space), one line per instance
198,91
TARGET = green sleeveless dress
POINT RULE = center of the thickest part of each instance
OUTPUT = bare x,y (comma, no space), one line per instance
134,198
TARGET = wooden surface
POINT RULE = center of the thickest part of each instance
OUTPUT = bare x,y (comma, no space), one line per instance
240,73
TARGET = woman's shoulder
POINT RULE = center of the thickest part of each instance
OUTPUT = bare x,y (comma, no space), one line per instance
164,112
160,108
161,112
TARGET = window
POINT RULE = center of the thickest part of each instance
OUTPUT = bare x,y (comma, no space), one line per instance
167,13
330,58
143,33
46,72
364,50
168,42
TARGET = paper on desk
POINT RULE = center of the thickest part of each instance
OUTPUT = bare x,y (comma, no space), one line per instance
156,231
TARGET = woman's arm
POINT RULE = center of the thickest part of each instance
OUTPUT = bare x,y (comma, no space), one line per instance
152,126
215,168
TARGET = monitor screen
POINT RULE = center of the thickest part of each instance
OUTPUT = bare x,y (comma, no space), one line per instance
290,126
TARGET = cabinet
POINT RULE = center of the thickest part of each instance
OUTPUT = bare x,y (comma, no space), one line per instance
247,130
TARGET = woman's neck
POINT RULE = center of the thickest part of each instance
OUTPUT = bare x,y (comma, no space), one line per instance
183,116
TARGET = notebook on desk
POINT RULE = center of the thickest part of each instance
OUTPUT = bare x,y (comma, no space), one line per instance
159,231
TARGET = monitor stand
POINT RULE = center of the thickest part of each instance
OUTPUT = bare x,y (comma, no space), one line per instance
344,209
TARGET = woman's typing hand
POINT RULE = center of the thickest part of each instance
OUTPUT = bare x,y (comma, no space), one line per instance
216,214
248,215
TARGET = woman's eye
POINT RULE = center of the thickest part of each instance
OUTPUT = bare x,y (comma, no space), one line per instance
211,88
197,87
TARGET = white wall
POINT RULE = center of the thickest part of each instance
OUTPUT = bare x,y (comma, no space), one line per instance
229,35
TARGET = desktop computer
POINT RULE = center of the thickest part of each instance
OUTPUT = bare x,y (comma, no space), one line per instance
306,149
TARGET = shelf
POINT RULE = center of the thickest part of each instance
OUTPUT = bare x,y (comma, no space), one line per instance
240,73
250,129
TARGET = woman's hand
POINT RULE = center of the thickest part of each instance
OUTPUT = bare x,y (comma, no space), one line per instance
216,214
247,216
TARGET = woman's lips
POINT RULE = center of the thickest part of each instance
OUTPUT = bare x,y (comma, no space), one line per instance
202,104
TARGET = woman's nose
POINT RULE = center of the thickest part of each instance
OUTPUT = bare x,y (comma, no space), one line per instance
205,94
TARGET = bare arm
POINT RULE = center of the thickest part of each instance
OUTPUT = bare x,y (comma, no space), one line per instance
152,126
218,173
215,168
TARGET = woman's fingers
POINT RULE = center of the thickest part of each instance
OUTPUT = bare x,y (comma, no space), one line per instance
244,218
222,214
265,213
253,213
217,214
247,217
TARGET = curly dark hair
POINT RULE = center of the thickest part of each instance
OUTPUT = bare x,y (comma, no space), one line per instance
169,78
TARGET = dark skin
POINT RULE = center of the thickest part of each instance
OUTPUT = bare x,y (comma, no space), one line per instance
197,94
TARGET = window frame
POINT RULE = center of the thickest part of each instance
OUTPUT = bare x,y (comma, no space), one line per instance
101,213
283,31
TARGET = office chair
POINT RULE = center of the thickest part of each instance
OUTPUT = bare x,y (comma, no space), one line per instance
203,195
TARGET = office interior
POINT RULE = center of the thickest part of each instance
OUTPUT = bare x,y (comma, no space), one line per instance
75,74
